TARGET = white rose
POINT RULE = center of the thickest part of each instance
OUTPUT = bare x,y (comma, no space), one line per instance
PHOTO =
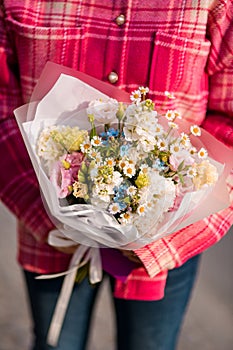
103,111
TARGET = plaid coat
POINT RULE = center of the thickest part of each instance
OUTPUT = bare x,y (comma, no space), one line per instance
180,46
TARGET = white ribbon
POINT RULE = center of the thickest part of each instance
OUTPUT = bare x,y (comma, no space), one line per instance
82,255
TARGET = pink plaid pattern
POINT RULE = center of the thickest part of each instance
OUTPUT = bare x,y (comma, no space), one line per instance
179,46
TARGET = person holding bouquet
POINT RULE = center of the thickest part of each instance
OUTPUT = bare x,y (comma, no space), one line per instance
182,48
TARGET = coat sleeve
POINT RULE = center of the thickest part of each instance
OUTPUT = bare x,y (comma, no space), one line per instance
175,249
19,189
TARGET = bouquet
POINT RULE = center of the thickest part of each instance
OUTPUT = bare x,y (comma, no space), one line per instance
132,168
113,171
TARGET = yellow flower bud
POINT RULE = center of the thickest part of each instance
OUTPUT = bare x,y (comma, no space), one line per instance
121,111
149,104
65,164
70,188
91,118
164,159
142,180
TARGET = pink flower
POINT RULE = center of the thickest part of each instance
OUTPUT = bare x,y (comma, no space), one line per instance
174,162
64,173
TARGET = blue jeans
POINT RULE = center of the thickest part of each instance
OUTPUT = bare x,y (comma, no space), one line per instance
147,325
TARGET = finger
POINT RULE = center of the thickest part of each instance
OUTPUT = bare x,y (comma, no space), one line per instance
132,256
67,250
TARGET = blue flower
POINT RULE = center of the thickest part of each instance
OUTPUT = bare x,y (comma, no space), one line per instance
124,149
112,132
120,202
159,165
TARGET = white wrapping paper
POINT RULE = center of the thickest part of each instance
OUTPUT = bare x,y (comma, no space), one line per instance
64,103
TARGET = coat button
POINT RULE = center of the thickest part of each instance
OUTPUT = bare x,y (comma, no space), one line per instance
120,20
113,77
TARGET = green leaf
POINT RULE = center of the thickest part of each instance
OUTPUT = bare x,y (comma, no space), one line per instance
82,273
126,200
180,167
81,177
93,132
181,178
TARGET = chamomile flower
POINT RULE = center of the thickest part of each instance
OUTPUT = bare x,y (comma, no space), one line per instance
126,217
141,209
195,130
114,208
193,150
129,170
122,163
175,148
185,142
110,162
85,146
184,138
143,90
162,144
144,168
96,141
202,154
173,125
136,96
169,95
170,115
192,172
131,190
177,114
97,157
151,204
93,153
158,130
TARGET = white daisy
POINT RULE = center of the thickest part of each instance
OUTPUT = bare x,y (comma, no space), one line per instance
202,154
170,115
114,208
136,96
158,130
131,190
193,150
169,95
195,130
93,154
184,137
126,217
129,170
122,163
173,125
85,146
110,162
144,168
143,90
162,144
96,141
192,172
141,209
175,148
185,141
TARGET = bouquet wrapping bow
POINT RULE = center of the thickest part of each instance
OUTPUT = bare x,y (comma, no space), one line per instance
61,99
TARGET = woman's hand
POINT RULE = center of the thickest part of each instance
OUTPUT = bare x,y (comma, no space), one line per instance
67,248
132,256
